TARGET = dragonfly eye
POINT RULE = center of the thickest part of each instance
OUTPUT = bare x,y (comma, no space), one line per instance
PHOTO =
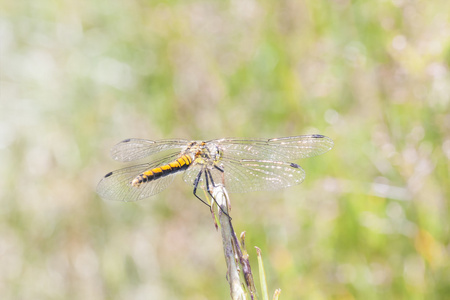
217,154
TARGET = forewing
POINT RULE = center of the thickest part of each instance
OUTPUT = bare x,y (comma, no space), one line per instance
256,175
117,186
134,149
279,149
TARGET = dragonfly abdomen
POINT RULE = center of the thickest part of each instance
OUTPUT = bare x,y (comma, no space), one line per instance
178,165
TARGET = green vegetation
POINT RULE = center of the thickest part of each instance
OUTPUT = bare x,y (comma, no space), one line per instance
371,220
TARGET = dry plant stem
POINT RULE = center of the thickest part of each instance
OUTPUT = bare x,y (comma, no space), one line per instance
245,263
236,290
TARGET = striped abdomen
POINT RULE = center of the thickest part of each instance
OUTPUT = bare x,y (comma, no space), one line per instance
180,164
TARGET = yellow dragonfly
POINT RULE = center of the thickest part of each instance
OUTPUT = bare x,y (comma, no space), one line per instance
241,165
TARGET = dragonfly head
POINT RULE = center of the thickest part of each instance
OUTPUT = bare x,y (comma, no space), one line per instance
214,152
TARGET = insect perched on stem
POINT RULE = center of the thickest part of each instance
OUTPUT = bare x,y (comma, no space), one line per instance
241,165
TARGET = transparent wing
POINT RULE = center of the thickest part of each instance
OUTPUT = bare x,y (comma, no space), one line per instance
191,174
117,186
256,175
251,175
134,149
279,149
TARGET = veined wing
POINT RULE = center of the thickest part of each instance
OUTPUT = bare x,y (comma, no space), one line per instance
251,175
117,186
134,149
278,149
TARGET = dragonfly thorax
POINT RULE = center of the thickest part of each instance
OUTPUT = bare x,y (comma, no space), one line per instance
205,153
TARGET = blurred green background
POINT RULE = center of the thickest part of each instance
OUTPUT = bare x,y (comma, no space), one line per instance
371,220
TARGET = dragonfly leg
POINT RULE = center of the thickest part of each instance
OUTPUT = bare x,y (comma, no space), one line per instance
208,173
219,168
196,181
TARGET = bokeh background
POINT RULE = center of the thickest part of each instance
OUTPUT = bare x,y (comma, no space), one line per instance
371,220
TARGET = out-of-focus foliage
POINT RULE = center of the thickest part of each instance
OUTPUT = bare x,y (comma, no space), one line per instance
371,220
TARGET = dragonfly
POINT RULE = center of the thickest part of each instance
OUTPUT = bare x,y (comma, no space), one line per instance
240,165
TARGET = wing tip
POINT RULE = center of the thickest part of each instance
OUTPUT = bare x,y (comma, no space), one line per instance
325,138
